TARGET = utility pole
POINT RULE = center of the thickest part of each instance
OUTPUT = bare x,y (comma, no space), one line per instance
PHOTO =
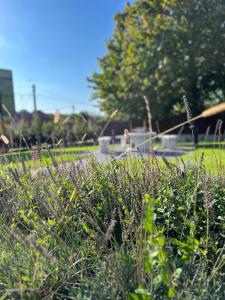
34,97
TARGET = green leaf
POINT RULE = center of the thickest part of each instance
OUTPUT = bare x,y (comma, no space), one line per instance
51,222
25,279
140,294
177,273
171,293
181,208
72,195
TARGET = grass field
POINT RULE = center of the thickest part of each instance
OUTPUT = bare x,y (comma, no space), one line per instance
61,155
204,145
214,159
214,156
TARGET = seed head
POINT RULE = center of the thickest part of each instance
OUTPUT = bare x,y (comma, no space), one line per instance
5,139
187,108
213,110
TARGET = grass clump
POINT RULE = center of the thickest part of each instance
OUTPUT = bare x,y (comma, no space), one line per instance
131,229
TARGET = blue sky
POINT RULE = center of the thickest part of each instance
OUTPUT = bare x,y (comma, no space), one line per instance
55,44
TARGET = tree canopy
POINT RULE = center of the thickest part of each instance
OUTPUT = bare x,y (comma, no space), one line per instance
163,49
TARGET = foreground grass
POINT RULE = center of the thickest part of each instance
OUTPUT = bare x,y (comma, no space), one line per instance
131,229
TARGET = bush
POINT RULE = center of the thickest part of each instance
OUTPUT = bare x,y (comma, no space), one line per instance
129,229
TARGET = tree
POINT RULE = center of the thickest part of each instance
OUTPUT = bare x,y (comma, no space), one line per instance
163,49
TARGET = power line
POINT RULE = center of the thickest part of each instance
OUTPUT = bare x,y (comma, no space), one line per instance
50,97
52,94
21,87
62,99
22,94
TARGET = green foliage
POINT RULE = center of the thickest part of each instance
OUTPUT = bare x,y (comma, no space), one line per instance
130,229
69,129
163,49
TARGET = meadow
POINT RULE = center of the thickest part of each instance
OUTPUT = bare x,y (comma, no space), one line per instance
132,229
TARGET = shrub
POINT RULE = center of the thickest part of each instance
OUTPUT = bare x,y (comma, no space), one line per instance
128,229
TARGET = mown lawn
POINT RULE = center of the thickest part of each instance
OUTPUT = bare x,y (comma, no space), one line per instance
204,145
214,156
213,159
60,154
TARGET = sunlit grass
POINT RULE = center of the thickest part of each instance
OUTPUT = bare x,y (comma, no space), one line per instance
213,159
11,156
60,154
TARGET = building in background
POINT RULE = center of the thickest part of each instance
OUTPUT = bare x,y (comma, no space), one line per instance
6,91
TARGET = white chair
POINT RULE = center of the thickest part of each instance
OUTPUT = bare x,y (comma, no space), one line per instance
104,143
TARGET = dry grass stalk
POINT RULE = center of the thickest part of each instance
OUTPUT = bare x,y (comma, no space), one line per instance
188,110
110,228
83,138
207,134
128,230
8,112
30,242
93,222
108,122
218,130
213,110
167,164
201,160
208,196
59,143
192,126
148,113
12,119
5,139
206,113
66,120
57,117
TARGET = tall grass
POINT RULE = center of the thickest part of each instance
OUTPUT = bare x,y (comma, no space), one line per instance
131,229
